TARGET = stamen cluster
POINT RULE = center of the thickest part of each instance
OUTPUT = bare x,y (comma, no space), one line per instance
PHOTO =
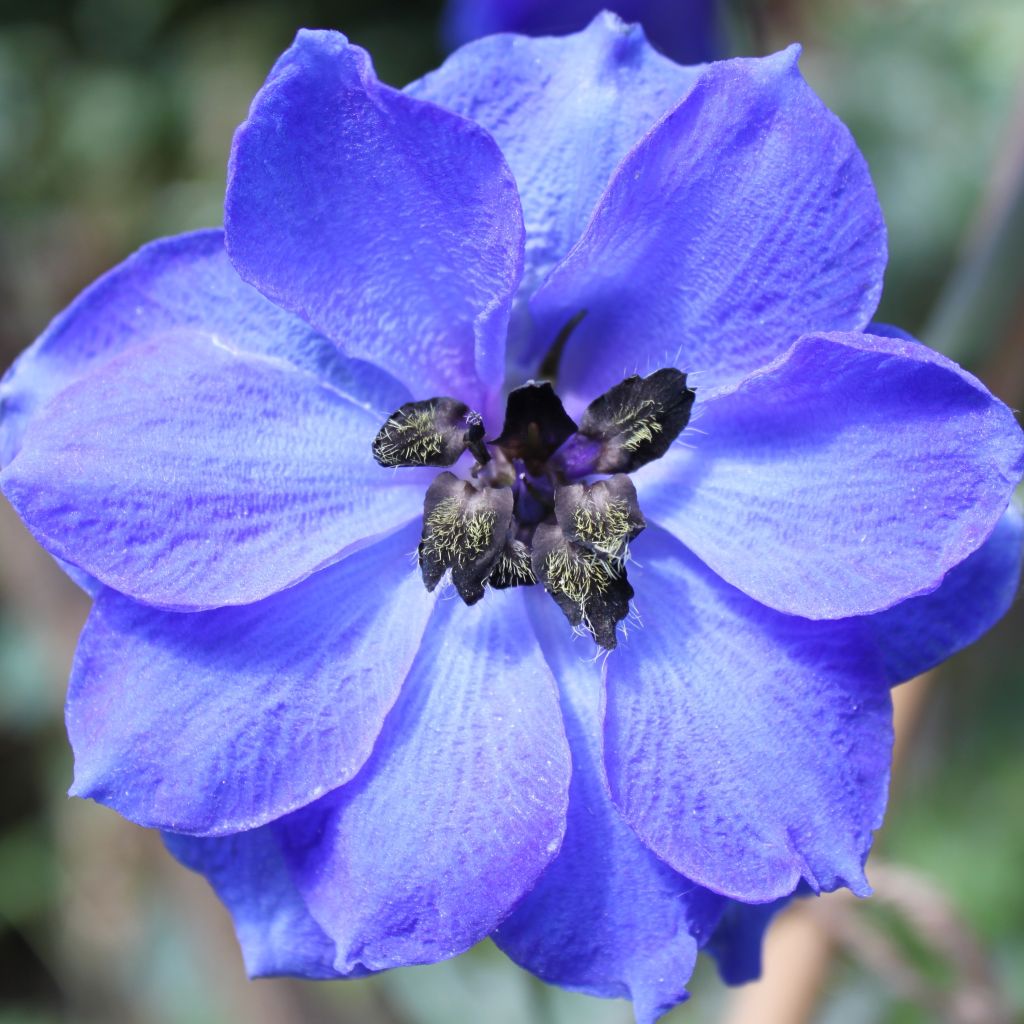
529,513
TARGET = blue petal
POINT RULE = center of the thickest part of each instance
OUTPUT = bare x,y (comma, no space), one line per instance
219,721
920,633
849,475
564,112
747,749
738,940
687,30
190,475
274,928
745,218
458,811
607,917
392,226
881,330
171,285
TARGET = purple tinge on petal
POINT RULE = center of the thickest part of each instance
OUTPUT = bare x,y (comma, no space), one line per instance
458,811
849,475
737,942
184,283
922,632
564,112
391,225
686,30
883,330
747,748
275,930
219,721
190,475
745,218
607,917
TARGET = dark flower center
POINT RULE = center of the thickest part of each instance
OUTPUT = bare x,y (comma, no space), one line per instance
532,510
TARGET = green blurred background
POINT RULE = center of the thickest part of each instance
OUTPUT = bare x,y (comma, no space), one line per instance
115,122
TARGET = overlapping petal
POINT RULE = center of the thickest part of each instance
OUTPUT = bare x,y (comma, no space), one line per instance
745,218
564,112
188,474
607,917
389,224
747,748
850,474
176,284
459,809
737,942
275,930
215,722
922,632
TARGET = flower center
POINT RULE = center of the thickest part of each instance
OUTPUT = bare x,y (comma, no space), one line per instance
547,501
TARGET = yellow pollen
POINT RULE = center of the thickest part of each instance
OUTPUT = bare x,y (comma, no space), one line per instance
457,538
411,436
605,530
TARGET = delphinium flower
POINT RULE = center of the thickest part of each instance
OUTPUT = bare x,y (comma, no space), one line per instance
515,529
686,30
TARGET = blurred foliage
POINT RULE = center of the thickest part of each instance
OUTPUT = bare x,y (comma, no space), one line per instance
115,123
927,87
116,118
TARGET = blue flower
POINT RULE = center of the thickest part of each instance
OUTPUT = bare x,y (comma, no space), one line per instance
370,776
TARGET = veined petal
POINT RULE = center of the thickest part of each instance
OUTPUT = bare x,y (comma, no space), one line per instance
923,631
183,283
849,475
458,811
687,30
747,748
745,218
389,224
219,721
190,475
564,112
607,917
274,928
